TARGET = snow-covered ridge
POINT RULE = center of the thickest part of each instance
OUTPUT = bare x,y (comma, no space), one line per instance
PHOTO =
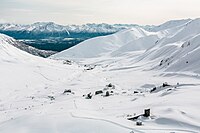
8,51
6,41
171,24
165,44
104,45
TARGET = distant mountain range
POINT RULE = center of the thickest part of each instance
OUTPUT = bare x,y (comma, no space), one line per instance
50,27
49,36
55,37
47,30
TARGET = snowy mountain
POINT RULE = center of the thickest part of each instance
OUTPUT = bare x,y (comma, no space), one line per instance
7,50
167,47
26,48
36,27
52,27
110,82
180,51
107,44
170,24
54,37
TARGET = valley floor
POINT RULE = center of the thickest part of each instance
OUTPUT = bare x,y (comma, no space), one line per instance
32,99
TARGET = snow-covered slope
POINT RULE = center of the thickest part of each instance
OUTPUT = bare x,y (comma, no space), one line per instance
170,24
126,40
172,50
166,44
7,51
133,39
25,47
35,92
142,43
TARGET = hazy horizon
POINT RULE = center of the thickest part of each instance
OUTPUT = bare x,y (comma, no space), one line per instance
64,12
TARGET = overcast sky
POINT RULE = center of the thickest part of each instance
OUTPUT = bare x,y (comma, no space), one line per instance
97,11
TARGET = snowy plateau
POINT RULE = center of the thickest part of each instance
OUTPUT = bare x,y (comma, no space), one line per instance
104,84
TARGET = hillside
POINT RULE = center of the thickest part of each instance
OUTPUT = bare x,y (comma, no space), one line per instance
26,48
168,44
49,36
107,44
110,80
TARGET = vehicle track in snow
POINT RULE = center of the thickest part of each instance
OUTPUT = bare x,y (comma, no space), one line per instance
141,130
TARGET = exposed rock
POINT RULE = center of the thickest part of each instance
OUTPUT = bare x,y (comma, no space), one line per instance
139,123
98,92
107,94
67,62
51,98
67,91
89,96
